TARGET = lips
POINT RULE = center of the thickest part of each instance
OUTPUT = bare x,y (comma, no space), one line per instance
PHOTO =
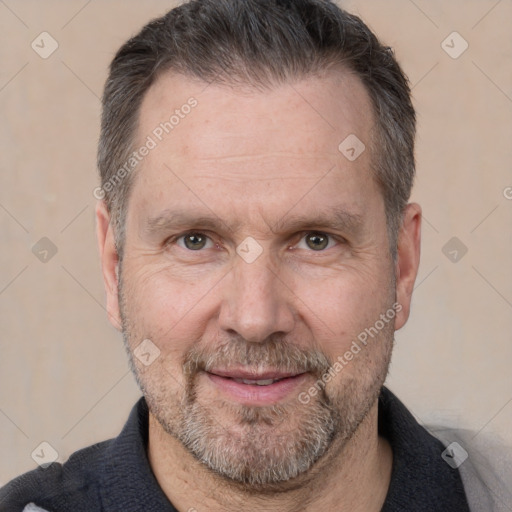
256,388
258,382
254,377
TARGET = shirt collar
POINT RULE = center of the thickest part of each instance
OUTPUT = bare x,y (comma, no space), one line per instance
420,480
128,483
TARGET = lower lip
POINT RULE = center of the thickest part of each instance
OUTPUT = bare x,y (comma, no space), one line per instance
253,394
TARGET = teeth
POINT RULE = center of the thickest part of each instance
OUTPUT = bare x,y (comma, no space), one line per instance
263,382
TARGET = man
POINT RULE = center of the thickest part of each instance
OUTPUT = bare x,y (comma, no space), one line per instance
258,253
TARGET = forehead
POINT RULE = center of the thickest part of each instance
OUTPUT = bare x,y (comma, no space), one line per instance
278,141
315,110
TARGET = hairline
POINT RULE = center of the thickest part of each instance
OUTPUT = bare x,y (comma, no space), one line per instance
375,145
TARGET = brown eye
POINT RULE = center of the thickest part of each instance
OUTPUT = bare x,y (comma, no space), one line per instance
317,241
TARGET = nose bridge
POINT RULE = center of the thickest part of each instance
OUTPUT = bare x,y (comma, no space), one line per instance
255,303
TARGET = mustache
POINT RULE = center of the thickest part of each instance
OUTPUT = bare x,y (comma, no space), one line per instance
275,353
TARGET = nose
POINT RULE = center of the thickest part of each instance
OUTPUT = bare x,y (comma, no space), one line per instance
256,302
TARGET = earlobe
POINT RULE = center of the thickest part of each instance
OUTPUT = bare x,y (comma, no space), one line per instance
109,262
408,259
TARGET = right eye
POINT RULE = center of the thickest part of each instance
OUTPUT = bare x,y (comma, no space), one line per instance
194,241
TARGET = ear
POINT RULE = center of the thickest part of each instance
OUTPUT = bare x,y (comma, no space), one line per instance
109,262
408,260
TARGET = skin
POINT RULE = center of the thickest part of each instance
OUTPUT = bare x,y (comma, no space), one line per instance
254,162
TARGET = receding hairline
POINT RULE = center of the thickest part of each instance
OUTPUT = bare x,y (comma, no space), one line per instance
329,73
256,57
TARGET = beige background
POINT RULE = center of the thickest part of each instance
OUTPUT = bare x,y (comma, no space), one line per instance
64,378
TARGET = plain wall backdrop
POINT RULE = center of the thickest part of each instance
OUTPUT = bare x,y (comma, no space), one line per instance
64,377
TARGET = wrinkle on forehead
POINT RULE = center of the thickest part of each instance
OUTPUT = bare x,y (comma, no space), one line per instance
269,151
316,109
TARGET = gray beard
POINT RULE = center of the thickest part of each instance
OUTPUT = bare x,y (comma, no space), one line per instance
262,447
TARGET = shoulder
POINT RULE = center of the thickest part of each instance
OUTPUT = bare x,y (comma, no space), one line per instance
485,466
69,486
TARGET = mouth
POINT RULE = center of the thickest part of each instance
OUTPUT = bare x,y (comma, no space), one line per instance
256,388
260,382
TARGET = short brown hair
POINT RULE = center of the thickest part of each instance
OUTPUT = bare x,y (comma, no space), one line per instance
258,43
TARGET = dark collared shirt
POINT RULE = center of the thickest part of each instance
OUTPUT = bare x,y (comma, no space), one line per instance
115,475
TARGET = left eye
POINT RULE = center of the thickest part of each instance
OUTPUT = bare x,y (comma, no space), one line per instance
316,242
194,241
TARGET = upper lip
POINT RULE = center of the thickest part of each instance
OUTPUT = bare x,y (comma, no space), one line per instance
253,375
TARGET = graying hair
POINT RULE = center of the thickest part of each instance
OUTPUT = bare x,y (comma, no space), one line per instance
260,43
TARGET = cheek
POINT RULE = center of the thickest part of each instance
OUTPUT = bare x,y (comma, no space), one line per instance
340,308
162,288
170,310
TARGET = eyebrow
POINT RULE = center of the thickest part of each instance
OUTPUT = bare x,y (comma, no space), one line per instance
169,220
339,219
335,218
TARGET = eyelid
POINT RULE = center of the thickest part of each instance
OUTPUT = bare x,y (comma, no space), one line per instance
332,238
174,238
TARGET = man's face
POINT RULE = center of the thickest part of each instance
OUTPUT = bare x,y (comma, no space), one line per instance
255,249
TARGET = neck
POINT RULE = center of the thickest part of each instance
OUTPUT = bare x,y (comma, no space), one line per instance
352,477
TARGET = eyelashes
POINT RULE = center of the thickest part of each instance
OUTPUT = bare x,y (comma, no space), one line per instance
315,241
